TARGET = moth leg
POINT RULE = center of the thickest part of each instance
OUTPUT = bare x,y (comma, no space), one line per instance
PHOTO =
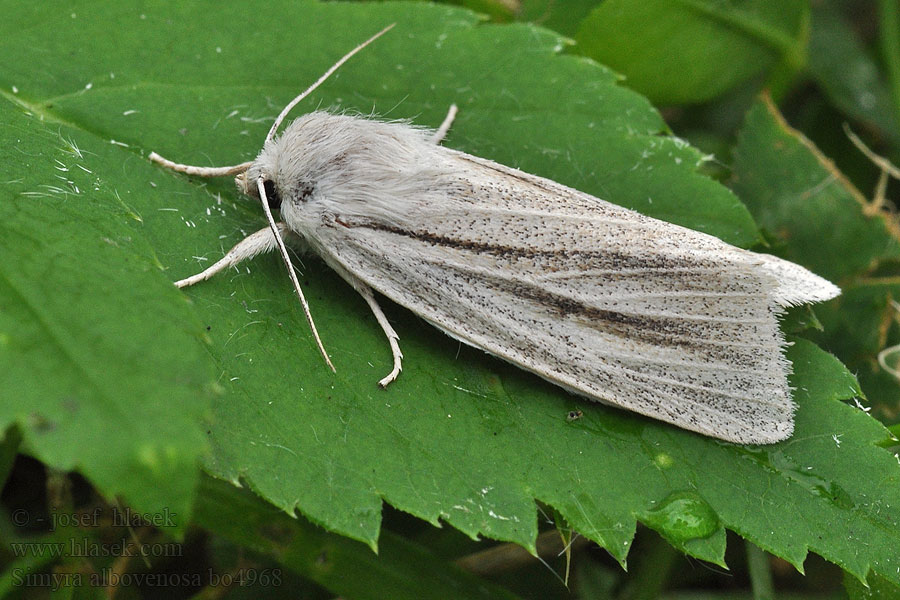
392,336
441,132
255,243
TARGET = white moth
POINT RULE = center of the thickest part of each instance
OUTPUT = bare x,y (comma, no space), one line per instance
598,299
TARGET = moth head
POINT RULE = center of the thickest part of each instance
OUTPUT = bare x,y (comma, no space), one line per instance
283,166
246,183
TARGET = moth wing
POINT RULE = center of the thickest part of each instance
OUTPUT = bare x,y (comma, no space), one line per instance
607,303
794,284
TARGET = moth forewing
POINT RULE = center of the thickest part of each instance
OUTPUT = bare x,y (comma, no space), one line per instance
607,303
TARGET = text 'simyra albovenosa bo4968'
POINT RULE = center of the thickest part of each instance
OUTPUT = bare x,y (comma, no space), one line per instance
598,299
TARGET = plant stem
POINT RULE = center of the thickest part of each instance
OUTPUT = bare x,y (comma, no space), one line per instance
650,575
760,573
889,38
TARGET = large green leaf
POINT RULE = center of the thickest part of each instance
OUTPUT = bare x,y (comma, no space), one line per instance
102,363
684,51
460,437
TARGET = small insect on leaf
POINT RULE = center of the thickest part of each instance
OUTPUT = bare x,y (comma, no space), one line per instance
620,308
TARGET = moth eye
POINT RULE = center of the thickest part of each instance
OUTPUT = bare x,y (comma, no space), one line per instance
272,195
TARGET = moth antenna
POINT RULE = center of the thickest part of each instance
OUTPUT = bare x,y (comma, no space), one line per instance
241,168
290,268
290,105
199,171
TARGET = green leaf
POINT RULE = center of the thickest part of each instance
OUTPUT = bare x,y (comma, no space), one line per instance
878,588
400,570
858,327
799,194
459,438
848,75
688,51
795,191
102,363
563,17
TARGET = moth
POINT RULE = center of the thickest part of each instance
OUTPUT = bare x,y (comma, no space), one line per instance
604,302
